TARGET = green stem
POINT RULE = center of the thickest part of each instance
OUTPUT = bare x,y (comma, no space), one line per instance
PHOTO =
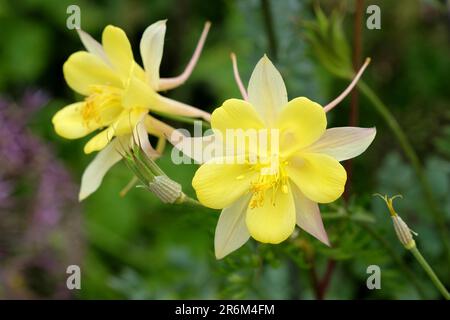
424,264
437,214
190,201
395,257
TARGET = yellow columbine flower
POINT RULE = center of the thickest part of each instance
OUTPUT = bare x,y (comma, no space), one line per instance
118,94
268,204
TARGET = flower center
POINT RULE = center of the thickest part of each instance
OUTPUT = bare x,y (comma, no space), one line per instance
271,176
102,106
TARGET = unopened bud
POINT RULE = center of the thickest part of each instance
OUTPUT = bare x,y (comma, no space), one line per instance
404,233
167,190
152,177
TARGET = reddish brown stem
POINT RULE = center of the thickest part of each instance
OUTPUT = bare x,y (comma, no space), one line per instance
325,282
315,283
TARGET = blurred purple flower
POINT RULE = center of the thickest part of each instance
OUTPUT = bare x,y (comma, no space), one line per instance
37,206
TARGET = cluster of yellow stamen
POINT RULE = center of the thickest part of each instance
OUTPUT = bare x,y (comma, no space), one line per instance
270,177
97,104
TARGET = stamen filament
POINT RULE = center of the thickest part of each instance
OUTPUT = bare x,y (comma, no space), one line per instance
237,77
341,97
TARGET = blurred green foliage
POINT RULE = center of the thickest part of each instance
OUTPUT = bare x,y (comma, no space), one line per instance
137,247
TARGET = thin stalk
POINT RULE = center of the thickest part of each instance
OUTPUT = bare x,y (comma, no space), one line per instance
190,201
314,279
395,257
424,264
326,280
129,186
237,77
437,214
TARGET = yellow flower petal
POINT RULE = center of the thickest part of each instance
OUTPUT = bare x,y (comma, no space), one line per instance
99,141
301,122
69,123
128,120
83,69
238,122
319,177
138,94
218,183
274,222
266,90
236,114
118,49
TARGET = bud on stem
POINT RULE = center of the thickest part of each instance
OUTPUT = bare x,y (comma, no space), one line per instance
153,178
166,189
404,233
